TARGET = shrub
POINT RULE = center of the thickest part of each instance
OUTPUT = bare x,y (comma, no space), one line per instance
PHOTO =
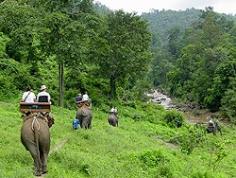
153,158
164,171
174,119
190,139
137,117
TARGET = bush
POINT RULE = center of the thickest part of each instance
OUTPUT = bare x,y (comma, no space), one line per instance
137,117
153,158
190,139
174,119
164,171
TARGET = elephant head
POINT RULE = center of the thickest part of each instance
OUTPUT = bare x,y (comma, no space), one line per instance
35,137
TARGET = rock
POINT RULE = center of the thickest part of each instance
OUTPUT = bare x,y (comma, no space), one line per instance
159,98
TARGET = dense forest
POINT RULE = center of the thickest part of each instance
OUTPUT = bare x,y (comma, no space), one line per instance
77,46
72,48
195,60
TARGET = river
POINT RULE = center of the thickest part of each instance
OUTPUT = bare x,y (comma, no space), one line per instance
193,115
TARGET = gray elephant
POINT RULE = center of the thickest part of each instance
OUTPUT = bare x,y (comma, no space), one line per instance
35,137
84,115
113,117
213,127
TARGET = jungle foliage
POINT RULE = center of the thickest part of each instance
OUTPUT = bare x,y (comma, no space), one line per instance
197,62
77,46
71,48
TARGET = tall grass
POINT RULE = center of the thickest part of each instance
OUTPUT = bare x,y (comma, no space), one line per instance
139,147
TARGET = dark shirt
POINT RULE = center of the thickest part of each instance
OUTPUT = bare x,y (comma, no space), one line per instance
78,98
43,99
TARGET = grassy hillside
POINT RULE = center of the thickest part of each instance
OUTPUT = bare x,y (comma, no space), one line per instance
142,146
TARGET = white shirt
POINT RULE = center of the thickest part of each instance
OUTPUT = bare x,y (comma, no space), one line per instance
28,97
85,97
44,93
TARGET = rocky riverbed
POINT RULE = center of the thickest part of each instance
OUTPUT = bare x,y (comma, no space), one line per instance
192,112
160,98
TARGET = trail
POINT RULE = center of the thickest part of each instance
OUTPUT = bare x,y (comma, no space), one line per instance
55,149
58,146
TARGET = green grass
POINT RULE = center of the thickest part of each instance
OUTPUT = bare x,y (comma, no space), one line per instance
137,148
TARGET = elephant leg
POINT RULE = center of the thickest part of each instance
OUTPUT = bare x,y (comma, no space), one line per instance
44,158
44,151
214,131
37,161
89,125
81,123
84,124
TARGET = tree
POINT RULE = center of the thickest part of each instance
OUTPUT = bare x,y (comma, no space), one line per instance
65,34
126,49
19,23
174,44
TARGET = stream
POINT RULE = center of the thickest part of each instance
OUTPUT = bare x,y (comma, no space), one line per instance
193,114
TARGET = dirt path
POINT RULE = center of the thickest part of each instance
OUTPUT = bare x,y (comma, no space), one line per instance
55,149
58,146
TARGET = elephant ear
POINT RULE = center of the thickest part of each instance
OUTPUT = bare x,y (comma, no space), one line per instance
50,121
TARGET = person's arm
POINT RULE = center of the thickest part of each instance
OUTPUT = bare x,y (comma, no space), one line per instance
37,98
49,98
23,97
34,97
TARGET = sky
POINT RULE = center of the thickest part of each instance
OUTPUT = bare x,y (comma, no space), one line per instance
139,6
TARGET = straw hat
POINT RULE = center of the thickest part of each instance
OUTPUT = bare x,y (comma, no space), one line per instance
43,87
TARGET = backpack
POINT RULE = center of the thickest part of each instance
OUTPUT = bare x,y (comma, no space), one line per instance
75,123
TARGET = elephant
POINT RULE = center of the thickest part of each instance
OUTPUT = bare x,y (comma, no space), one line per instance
35,137
84,115
213,127
113,119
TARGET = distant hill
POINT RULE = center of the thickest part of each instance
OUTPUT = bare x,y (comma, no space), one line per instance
101,9
163,21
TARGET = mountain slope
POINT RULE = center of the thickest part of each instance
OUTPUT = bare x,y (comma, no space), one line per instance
161,22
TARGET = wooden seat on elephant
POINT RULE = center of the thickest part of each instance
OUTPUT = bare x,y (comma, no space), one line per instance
35,107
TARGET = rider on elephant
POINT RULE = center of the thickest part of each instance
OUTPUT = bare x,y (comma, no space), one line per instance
84,113
43,95
28,96
113,117
83,101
